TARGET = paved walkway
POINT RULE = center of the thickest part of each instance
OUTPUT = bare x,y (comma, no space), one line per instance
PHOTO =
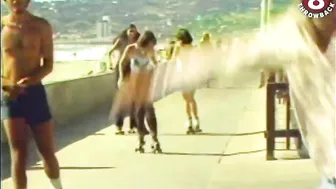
229,154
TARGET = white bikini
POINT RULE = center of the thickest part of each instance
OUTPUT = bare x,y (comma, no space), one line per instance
141,63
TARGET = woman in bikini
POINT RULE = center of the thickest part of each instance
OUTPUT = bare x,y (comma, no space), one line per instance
138,61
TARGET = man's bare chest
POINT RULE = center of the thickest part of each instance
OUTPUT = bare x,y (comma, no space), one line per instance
20,40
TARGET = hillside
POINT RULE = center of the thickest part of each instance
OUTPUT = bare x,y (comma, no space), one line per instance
162,16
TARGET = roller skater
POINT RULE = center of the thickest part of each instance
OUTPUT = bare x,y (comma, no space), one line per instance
140,59
181,54
128,36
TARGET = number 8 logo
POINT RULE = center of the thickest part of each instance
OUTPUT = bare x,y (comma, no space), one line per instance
316,4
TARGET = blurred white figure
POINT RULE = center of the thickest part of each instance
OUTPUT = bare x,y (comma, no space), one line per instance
290,46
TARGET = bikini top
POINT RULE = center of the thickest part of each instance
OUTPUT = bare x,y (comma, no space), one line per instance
141,63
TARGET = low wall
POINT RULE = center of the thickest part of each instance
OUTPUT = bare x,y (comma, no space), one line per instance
71,99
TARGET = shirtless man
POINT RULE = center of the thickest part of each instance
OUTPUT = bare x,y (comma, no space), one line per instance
26,40
126,37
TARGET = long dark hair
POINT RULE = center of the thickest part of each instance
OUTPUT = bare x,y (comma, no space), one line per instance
206,38
123,35
147,37
184,36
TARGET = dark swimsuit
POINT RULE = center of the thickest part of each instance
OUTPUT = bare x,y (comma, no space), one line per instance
31,106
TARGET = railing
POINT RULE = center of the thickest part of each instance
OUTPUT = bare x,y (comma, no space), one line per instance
271,132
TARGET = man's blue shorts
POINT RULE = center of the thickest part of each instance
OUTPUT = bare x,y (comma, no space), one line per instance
31,106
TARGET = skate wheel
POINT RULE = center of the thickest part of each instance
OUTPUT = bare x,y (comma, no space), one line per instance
190,132
157,151
140,150
198,131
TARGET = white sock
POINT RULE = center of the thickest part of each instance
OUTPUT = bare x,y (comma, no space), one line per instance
56,183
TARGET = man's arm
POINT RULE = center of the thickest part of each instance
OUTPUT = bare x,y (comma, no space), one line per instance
114,47
47,52
123,62
5,81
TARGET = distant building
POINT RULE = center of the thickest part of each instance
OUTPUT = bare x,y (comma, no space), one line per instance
103,27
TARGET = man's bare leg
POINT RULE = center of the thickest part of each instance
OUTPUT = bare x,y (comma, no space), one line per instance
45,141
17,132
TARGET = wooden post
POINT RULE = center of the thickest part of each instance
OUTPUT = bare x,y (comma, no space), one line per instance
270,121
288,126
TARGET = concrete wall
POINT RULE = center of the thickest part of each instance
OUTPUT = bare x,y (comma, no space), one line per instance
71,99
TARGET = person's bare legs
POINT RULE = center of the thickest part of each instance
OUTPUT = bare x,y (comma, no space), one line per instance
45,141
191,109
17,133
195,112
152,124
186,98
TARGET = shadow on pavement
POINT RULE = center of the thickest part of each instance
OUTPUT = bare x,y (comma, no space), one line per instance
211,154
74,168
65,135
214,134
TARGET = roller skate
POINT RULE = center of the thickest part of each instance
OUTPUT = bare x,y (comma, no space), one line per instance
119,131
156,148
132,131
141,148
190,129
197,127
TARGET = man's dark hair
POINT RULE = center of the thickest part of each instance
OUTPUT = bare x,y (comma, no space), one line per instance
184,36
147,37
132,26
121,36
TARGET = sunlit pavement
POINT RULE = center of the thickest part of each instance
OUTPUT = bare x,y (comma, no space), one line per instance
229,154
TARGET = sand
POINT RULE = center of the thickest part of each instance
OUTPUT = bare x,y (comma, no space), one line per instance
71,70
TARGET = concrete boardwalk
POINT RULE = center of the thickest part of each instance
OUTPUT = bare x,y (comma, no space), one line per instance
229,154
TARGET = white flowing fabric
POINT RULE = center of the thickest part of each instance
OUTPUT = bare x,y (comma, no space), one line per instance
287,46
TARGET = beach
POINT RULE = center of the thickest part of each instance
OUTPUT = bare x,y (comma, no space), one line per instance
69,70
74,61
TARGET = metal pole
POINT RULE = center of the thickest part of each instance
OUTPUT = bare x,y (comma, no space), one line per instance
263,19
269,9
266,7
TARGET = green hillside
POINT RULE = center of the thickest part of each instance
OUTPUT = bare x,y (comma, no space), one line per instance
162,16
